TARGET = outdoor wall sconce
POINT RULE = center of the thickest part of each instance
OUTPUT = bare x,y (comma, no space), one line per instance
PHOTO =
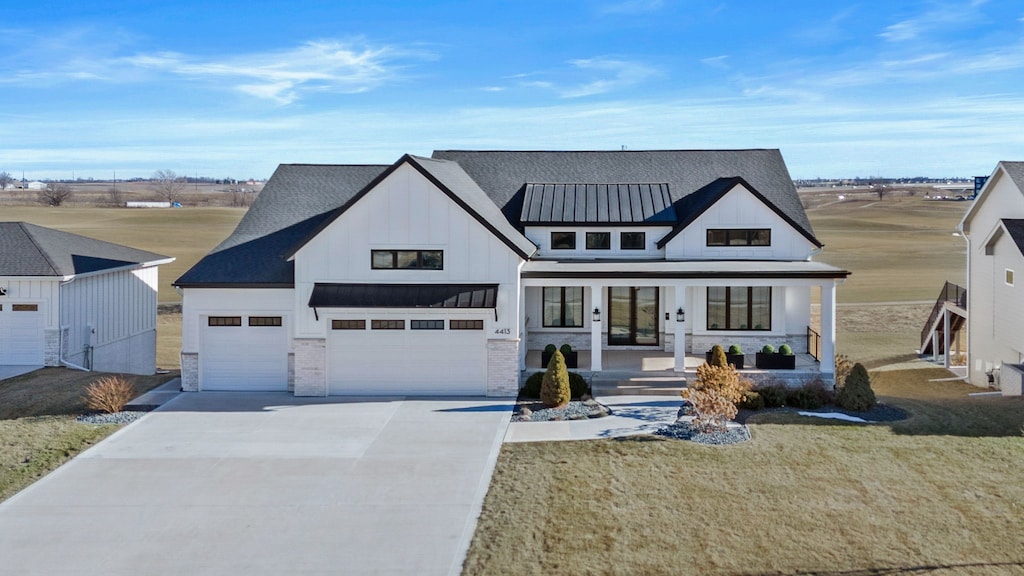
597,314
680,315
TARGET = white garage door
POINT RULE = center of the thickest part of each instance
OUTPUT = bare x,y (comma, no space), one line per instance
21,334
247,353
407,361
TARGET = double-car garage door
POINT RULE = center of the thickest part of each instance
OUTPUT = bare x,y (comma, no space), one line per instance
22,340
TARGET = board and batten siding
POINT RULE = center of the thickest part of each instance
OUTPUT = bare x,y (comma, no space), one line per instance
739,208
541,236
201,303
42,291
405,211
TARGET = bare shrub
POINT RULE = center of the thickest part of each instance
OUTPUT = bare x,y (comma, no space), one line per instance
115,196
109,394
242,198
169,185
54,194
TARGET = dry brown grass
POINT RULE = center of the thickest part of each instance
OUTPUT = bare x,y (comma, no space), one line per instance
58,391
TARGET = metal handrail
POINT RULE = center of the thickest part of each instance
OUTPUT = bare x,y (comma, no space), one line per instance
950,293
814,343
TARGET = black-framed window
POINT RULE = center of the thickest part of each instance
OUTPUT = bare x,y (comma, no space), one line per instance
563,306
348,324
224,321
466,324
264,320
633,240
599,240
739,308
407,259
739,237
563,240
426,324
387,324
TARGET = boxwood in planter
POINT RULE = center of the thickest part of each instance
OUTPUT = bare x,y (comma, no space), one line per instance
571,357
784,359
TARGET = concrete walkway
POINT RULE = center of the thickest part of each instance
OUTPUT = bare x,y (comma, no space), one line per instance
221,483
630,415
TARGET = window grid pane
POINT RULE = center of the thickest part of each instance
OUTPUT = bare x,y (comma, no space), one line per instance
426,324
563,240
264,320
599,240
739,308
716,308
24,307
633,240
466,324
387,324
348,324
224,321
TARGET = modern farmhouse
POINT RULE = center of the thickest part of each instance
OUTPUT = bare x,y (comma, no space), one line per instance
994,228
70,300
437,275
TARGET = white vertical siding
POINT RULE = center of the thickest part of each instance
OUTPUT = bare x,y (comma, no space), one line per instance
42,291
116,305
541,236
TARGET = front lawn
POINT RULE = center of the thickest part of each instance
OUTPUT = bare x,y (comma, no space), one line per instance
940,489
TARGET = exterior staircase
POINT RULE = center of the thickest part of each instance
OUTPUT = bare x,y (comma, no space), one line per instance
951,304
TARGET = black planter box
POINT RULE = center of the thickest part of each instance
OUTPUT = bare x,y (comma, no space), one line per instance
570,359
735,359
775,361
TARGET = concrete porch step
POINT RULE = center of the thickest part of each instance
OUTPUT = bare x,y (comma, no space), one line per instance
638,385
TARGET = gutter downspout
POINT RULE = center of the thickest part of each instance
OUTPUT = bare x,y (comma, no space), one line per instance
60,334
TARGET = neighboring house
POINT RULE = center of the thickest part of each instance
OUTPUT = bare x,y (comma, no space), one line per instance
994,228
436,275
70,300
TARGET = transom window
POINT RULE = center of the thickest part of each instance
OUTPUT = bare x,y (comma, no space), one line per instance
563,306
387,324
563,240
264,320
426,324
633,240
224,321
348,324
466,324
599,240
739,236
407,259
25,307
739,308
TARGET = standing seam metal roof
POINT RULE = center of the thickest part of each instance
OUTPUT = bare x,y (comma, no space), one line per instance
620,203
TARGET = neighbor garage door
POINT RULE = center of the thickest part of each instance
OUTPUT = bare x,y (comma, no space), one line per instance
245,353
407,357
21,334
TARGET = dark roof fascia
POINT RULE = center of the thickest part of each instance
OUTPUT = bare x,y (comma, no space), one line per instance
598,224
733,182
233,285
406,159
686,275
380,290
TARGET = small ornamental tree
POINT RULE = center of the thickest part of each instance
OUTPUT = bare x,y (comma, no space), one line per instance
718,357
714,395
554,388
856,393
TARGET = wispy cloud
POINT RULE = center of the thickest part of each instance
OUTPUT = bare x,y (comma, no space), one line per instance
598,75
716,61
632,7
940,17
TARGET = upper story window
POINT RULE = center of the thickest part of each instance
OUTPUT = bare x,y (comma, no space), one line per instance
563,240
739,236
633,240
407,259
1008,277
599,240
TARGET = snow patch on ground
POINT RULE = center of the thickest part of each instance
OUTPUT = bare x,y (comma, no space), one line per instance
833,416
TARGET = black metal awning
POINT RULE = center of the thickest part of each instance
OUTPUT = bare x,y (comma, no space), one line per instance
403,296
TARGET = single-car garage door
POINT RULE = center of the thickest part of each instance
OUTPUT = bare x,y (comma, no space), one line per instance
407,357
246,353
22,340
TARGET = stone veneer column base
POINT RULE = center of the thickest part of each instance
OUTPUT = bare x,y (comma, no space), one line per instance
51,353
502,368
310,366
189,372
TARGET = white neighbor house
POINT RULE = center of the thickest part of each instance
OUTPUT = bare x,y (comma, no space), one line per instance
70,300
436,275
994,228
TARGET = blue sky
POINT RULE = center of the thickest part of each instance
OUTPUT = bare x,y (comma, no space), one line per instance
234,88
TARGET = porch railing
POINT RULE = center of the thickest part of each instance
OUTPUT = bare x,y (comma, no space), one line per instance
814,343
950,293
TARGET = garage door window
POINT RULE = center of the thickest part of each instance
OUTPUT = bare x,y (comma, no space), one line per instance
25,307
387,324
466,324
427,324
224,321
348,324
264,320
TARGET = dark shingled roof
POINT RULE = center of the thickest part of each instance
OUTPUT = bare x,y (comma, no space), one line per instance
326,295
1015,228
597,204
1016,172
30,250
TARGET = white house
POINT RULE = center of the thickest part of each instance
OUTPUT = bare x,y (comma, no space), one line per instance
437,275
994,228
70,300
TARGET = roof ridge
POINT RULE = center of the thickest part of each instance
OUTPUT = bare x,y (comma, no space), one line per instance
32,239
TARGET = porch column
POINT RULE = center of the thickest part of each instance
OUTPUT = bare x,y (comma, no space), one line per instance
935,347
595,327
828,330
680,340
522,328
945,336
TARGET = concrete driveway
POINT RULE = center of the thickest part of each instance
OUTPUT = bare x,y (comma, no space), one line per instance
231,483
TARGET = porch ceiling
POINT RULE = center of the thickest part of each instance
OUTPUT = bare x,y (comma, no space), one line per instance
687,269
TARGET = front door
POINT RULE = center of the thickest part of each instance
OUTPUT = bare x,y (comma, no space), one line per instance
632,316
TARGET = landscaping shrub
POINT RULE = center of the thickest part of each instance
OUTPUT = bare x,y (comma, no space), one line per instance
565,349
735,350
714,395
554,388
768,349
752,400
531,389
843,367
804,398
550,349
578,385
773,395
856,393
718,357
109,394
785,349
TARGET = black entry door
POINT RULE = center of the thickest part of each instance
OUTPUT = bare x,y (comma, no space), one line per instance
632,316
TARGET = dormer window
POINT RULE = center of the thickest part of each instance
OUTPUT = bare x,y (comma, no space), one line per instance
633,240
563,240
599,240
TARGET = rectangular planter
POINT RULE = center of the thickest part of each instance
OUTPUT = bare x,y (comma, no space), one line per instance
775,361
735,359
570,359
